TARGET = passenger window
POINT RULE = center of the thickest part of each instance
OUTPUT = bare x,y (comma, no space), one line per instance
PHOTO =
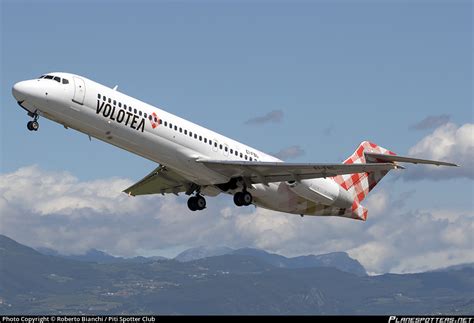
241,156
110,100
175,128
200,138
135,111
104,98
231,151
98,96
220,146
236,153
140,113
195,136
215,144
171,125
149,118
205,140
66,82
120,104
166,124
159,121
145,115
210,142
185,132
130,109
190,134
115,102
245,157
225,148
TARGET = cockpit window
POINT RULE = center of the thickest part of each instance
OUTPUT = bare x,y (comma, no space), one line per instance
56,78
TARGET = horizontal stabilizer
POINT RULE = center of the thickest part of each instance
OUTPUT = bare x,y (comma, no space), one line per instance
402,159
267,172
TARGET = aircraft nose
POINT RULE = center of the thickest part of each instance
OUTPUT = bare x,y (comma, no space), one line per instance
20,90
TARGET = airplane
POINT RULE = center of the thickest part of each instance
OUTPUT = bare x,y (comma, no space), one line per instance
200,162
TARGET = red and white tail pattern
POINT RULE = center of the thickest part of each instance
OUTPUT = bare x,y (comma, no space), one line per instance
359,185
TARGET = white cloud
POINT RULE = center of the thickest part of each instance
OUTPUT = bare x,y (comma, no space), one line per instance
56,210
377,203
447,143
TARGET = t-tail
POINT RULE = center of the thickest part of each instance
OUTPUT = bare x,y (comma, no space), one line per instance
359,185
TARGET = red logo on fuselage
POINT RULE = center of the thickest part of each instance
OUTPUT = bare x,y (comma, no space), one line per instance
155,121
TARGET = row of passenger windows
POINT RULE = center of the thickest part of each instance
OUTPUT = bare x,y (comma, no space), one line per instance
55,78
206,141
129,108
175,127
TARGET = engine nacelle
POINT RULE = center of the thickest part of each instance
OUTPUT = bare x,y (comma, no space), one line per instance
322,191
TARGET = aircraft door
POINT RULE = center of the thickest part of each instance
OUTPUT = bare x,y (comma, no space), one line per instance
79,90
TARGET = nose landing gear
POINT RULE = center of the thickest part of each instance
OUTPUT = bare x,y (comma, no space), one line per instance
33,125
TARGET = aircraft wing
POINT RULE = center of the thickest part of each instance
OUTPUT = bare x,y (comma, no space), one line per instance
160,181
266,172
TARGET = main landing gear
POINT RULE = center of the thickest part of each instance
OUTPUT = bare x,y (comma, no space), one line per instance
33,125
243,198
197,203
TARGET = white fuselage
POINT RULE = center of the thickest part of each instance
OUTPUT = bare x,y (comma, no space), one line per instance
123,121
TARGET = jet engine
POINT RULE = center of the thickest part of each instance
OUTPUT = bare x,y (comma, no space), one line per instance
321,191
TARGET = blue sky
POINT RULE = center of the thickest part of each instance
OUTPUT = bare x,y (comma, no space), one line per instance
341,72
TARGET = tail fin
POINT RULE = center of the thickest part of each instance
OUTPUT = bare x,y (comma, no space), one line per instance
359,185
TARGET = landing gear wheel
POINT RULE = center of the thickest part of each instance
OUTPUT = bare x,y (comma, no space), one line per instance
243,198
35,125
192,205
200,202
196,203
32,125
247,198
238,199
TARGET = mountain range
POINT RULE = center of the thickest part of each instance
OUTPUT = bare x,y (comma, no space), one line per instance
243,281
339,260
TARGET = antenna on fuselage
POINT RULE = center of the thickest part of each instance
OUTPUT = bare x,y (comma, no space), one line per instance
115,88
